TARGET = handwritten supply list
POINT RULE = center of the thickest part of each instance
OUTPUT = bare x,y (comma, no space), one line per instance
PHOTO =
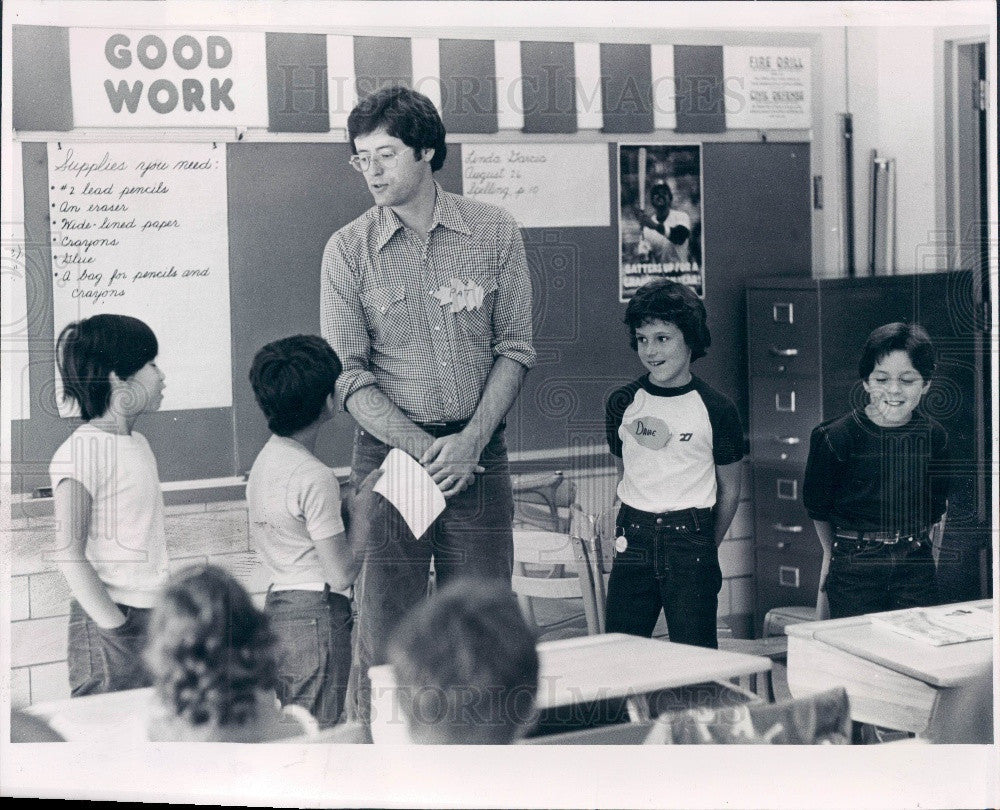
542,185
139,229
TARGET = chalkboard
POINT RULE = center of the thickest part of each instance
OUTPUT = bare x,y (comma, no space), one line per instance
284,201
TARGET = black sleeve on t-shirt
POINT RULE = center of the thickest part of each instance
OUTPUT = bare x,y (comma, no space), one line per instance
614,412
938,470
727,431
821,474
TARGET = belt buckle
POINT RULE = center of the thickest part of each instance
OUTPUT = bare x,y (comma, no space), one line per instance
893,541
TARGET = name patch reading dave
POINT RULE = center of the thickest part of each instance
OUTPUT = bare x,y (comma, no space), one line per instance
202,90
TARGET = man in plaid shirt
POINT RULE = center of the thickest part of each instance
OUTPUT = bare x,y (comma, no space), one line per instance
427,301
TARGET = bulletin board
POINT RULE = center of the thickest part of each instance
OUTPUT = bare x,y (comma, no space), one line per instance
286,199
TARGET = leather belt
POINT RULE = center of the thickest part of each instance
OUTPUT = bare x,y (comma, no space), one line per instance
439,429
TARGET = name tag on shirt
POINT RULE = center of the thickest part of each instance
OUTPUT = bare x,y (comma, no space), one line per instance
650,431
458,295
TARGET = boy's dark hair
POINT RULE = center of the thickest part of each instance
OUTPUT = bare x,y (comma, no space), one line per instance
291,379
911,338
466,667
210,649
404,114
668,301
88,351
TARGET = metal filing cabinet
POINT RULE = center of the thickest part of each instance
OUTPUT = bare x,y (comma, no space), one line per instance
804,339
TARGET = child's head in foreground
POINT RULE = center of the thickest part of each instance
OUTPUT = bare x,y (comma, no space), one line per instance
210,650
668,327
896,366
293,380
108,354
466,667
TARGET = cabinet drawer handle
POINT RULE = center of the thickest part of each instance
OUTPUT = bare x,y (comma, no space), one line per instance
787,439
788,576
783,527
784,352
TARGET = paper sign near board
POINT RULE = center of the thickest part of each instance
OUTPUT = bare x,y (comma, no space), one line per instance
140,229
550,185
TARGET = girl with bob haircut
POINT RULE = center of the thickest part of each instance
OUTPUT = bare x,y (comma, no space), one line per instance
212,656
110,543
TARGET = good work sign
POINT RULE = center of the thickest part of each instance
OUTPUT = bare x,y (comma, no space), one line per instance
164,78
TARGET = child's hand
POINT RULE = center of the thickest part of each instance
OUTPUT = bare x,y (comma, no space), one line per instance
358,504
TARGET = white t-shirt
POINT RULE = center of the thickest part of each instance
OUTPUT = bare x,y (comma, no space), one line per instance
125,539
670,440
292,497
661,249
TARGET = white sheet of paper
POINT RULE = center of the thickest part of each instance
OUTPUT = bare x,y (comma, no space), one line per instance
408,487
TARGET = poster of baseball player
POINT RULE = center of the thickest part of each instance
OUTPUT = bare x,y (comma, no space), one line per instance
660,219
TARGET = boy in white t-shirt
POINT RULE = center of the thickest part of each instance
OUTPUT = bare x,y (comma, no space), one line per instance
678,444
297,528
110,542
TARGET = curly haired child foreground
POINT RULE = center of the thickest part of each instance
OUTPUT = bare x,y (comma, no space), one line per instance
212,656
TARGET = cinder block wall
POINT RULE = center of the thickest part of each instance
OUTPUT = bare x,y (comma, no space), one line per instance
218,533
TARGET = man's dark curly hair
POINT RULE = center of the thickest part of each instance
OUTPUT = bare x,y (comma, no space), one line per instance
210,649
404,114
668,301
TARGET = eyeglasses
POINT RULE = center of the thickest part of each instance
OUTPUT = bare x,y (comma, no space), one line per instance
386,159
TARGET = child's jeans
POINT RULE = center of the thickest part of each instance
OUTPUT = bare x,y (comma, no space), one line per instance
103,660
870,576
672,563
314,661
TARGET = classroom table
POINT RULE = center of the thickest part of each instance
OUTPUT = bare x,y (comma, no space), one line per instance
121,718
593,668
111,717
943,694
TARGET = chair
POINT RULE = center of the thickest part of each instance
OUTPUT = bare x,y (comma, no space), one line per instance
818,719
543,500
556,566
614,734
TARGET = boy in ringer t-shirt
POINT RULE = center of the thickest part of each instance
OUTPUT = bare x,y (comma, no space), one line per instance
680,443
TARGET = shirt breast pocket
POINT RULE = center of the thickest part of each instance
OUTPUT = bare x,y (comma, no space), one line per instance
388,315
476,322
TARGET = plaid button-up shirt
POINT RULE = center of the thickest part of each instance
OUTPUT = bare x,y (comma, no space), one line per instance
386,308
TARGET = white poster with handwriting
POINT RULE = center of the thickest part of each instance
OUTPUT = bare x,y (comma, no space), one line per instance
140,229
542,185
768,88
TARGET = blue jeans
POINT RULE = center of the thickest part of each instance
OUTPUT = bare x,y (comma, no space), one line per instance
671,563
314,661
106,660
472,537
868,577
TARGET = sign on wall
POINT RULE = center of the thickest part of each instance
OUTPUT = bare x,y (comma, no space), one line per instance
160,78
660,232
140,229
542,185
768,88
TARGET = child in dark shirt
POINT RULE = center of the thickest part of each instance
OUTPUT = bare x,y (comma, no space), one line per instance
679,443
875,483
